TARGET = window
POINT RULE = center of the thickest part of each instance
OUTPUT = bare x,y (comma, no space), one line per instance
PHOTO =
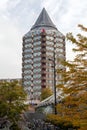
50,32
28,40
37,48
37,43
28,50
28,56
27,77
50,81
28,45
37,64
59,39
28,61
49,38
29,34
49,43
58,34
37,76
27,71
27,66
37,88
36,32
59,50
37,81
37,59
37,53
49,54
37,70
59,44
37,38
49,48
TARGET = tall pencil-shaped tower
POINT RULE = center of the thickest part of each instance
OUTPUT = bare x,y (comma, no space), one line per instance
39,45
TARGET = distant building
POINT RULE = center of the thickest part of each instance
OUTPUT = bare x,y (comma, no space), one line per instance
39,46
10,80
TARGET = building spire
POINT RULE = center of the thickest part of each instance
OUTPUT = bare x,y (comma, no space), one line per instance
43,21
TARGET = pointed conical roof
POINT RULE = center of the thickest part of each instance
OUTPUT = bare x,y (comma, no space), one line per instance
43,21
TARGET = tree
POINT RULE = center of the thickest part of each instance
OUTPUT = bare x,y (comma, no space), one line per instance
12,97
72,111
46,92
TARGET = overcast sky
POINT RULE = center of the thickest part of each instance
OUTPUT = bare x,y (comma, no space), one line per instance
18,16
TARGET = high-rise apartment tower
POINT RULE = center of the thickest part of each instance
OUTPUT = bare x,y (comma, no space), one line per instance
39,46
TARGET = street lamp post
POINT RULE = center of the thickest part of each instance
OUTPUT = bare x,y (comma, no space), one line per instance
55,100
54,67
31,98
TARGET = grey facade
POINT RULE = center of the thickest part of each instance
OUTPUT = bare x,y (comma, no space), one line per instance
39,45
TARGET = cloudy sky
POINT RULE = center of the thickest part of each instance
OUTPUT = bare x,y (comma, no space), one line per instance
18,16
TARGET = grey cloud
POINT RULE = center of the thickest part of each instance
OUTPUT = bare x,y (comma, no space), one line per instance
17,17
24,12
